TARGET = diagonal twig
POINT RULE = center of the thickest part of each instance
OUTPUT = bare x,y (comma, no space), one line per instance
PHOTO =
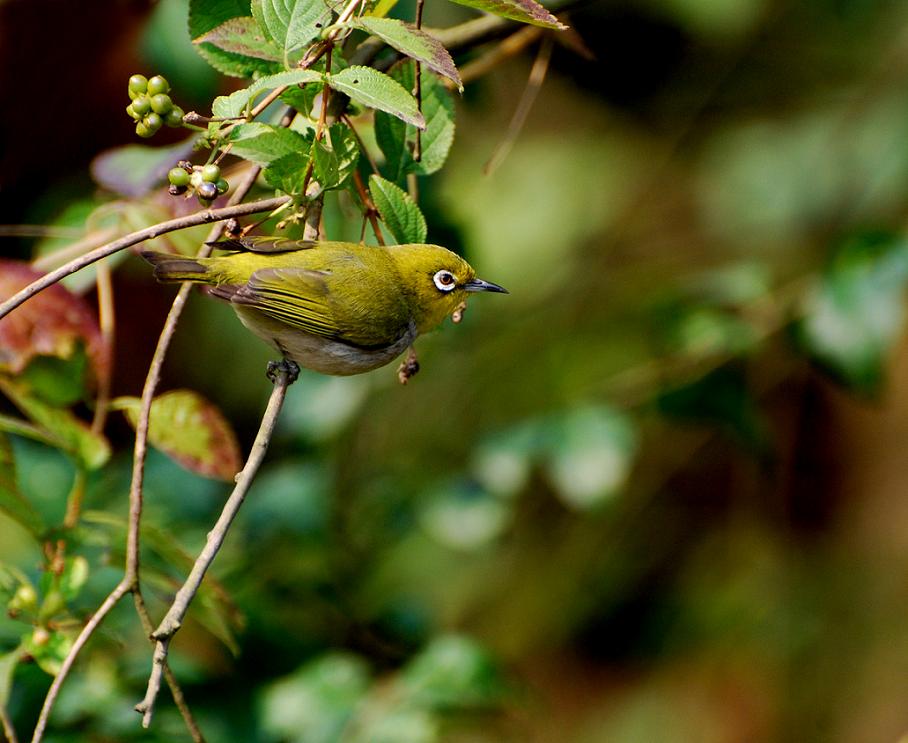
283,378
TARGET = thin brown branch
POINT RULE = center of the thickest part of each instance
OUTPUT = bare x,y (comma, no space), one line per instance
362,146
178,697
534,84
509,47
283,378
80,247
91,625
417,89
130,581
203,217
369,206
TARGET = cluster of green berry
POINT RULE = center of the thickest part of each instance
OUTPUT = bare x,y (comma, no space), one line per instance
151,107
204,180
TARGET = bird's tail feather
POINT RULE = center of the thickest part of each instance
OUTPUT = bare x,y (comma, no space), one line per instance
175,268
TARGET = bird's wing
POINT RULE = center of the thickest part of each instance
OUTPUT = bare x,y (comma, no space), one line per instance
371,315
298,297
263,244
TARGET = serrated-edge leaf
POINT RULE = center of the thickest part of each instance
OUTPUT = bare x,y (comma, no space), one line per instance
377,90
412,41
206,15
398,211
335,157
263,143
12,502
241,36
525,11
291,24
287,173
190,430
235,104
71,434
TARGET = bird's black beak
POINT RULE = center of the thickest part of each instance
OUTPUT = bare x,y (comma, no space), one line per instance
478,285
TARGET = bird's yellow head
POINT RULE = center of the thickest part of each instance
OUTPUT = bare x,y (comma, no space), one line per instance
437,280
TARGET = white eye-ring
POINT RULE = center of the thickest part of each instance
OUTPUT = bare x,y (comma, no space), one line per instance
444,280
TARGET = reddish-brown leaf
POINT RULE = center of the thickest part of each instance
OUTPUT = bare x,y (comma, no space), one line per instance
51,323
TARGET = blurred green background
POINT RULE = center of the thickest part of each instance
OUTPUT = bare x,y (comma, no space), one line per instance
658,493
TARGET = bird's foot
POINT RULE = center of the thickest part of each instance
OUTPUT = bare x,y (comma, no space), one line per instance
408,367
288,367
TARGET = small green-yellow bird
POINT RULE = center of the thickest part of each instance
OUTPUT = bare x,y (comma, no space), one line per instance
333,307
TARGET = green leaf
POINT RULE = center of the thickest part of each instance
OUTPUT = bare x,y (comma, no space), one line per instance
190,430
235,104
291,24
317,702
264,143
374,89
855,314
589,455
335,156
525,11
413,42
241,36
207,15
397,139
398,211
71,434
74,577
288,173
12,502
49,648
452,672
463,516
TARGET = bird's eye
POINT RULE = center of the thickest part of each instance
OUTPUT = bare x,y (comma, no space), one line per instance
444,280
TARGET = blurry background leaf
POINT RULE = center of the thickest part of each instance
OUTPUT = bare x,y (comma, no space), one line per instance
12,501
52,323
855,313
315,704
71,434
134,170
190,429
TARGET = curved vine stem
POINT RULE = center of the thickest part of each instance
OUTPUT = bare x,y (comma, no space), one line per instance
134,238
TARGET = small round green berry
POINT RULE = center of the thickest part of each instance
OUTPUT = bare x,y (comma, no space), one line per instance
222,185
138,84
208,191
158,84
195,180
141,105
132,112
161,104
178,177
143,130
174,117
211,173
153,121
